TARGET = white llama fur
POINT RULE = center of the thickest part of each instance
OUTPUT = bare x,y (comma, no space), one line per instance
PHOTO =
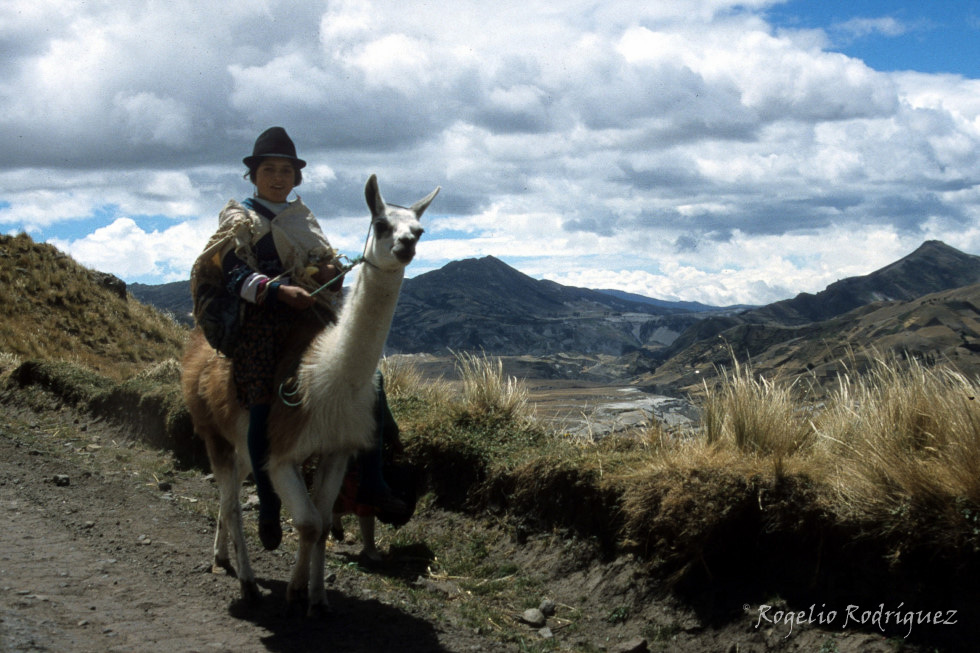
335,418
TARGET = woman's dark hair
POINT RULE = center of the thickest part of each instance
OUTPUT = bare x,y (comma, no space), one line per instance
297,173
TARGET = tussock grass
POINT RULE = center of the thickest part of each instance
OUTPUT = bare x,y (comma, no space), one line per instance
487,390
903,440
754,415
892,454
465,431
405,381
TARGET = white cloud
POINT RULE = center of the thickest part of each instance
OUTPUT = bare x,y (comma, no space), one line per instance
394,60
860,27
688,150
125,249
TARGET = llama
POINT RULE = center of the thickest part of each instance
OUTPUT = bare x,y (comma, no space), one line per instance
331,416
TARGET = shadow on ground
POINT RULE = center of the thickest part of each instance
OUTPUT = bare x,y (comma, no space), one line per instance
350,624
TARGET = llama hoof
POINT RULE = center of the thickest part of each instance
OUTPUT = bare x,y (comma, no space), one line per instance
223,564
318,610
251,593
295,595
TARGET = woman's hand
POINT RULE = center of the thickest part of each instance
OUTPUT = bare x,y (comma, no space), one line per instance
294,297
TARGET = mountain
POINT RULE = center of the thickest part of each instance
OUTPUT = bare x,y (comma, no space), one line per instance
172,298
484,304
925,305
933,267
490,285
942,326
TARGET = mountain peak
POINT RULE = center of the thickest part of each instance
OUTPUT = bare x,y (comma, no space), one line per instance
934,266
935,245
486,304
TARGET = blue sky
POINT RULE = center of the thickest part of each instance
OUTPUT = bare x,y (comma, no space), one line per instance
934,36
705,150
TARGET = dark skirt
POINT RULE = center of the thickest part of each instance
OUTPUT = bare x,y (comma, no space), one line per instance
261,341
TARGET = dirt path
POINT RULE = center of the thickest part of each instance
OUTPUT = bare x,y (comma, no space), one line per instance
109,562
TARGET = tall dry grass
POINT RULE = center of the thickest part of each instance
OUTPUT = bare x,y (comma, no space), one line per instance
896,448
487,390
404,379
902,439
755,415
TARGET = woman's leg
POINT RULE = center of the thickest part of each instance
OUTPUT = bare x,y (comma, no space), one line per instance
270,530
371,488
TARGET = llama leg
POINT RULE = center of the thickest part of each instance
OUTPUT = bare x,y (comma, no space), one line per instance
369,550
230,526
329,478
221,559
289,483
229,470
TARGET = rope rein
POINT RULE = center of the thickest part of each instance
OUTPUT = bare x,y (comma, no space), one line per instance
351,262
344,269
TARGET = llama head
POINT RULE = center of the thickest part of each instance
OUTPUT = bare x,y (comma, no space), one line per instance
394,229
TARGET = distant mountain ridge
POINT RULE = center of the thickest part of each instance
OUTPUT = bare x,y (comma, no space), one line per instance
696,307
487,282
934,266
486,305
938,327
925,305
173,298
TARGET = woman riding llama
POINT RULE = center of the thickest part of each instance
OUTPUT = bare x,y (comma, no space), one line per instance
272,254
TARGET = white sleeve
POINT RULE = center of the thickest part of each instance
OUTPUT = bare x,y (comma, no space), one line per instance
251,285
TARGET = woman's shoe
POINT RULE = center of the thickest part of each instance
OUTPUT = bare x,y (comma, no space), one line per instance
270,529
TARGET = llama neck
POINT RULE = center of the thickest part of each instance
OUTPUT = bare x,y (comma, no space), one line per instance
358,339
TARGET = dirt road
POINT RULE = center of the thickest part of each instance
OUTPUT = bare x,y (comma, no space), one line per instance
96,561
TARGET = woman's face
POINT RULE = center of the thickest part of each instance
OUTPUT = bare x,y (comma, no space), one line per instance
275,179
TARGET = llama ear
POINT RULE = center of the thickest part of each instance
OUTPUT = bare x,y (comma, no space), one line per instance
373,196
419,207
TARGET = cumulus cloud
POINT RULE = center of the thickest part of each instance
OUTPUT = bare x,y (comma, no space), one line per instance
127,250
685,150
